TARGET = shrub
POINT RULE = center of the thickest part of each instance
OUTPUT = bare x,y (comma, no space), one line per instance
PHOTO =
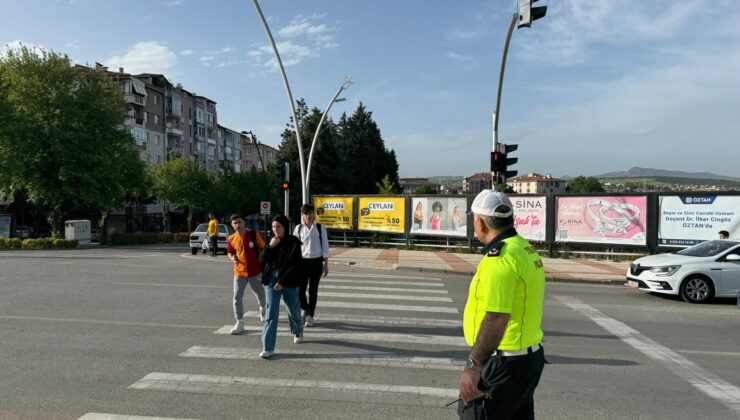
28,244
59,243
15,243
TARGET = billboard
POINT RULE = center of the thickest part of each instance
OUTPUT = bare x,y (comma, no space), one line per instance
689,219
382,214
439,216
530,217
334,212
619,220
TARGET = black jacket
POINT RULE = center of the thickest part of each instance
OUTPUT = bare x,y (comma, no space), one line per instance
285,258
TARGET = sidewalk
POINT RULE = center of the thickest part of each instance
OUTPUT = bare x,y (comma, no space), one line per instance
556,269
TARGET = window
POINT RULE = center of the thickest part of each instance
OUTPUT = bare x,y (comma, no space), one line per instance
146,116
156,119
199,115
156,139
156,99
211,151
159,160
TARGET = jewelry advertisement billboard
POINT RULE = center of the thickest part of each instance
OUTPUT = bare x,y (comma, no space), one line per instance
619,220
382,214
334,212
439,216
690,219
530,217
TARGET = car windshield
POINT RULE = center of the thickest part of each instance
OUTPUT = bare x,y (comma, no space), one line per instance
708,248
201,227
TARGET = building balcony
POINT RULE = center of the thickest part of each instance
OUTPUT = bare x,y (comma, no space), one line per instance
172,129
134,99
211,141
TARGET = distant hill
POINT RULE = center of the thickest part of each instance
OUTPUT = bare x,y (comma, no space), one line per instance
663,173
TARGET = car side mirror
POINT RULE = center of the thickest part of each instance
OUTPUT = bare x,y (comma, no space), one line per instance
732,257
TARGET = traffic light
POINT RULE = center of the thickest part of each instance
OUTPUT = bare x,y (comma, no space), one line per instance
286,185
528,14
500,162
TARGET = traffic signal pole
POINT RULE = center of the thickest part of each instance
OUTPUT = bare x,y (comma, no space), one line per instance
286,189
495,175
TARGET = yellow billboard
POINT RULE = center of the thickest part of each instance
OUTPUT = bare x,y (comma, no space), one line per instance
382,214
334,212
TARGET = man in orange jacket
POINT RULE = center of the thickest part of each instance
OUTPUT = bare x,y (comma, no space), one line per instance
243,250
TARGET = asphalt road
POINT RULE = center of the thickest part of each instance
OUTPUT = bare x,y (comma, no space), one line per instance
138,332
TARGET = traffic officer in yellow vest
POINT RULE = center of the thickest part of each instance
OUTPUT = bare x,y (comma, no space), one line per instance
502,321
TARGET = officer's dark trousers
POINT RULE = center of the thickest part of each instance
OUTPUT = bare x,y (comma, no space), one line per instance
511,382
214,245
312,269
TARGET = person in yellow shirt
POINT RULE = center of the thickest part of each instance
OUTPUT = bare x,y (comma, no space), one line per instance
502,319
243,250
213,234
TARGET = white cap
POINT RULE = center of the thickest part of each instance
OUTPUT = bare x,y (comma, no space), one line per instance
488,202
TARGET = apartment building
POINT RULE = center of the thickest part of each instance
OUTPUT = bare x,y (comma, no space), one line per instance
254,153
534,183
477,182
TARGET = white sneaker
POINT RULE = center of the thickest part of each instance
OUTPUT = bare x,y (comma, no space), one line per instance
309,321
262,313
298,339
266,354
238,328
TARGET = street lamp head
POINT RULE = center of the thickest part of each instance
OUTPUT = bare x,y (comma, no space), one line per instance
340,99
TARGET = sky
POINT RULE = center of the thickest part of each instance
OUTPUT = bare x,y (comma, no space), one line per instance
593,87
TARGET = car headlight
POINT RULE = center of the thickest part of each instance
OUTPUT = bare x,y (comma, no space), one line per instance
665,271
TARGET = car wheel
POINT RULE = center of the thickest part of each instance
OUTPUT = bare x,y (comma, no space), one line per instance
697,289
194,251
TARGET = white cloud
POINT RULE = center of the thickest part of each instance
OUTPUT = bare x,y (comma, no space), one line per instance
175,2
145,57
575,29
17,44
73,44
301,39
206,58
460,57
187,52
222,50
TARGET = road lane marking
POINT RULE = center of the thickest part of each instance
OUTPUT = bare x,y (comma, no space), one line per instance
296,389
711,353
381,276
333,334
381,289
107,416
323,286
387,297
382,307
370,319
376,359
701,379
380,282
105,322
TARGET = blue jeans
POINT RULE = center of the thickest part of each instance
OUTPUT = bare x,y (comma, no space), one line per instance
272,311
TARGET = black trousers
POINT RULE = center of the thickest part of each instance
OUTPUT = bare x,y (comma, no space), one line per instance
214,244
511,381
312,268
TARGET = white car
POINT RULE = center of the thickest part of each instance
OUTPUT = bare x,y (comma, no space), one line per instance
201,232
697,273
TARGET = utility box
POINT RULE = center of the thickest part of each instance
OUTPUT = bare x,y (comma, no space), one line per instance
78,230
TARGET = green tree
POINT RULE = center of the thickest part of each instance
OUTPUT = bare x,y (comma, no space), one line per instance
386,186
583,184
425,189
62,139
182,182
362,147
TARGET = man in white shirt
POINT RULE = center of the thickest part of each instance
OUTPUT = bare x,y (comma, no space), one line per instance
315,253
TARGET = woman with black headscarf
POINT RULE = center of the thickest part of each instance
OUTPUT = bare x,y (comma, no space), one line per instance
281,260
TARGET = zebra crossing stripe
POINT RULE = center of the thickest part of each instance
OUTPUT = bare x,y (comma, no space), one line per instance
343,358
382,307
296,388
331,334
331,280
380,276
106,416
376,320
387,297
381,289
